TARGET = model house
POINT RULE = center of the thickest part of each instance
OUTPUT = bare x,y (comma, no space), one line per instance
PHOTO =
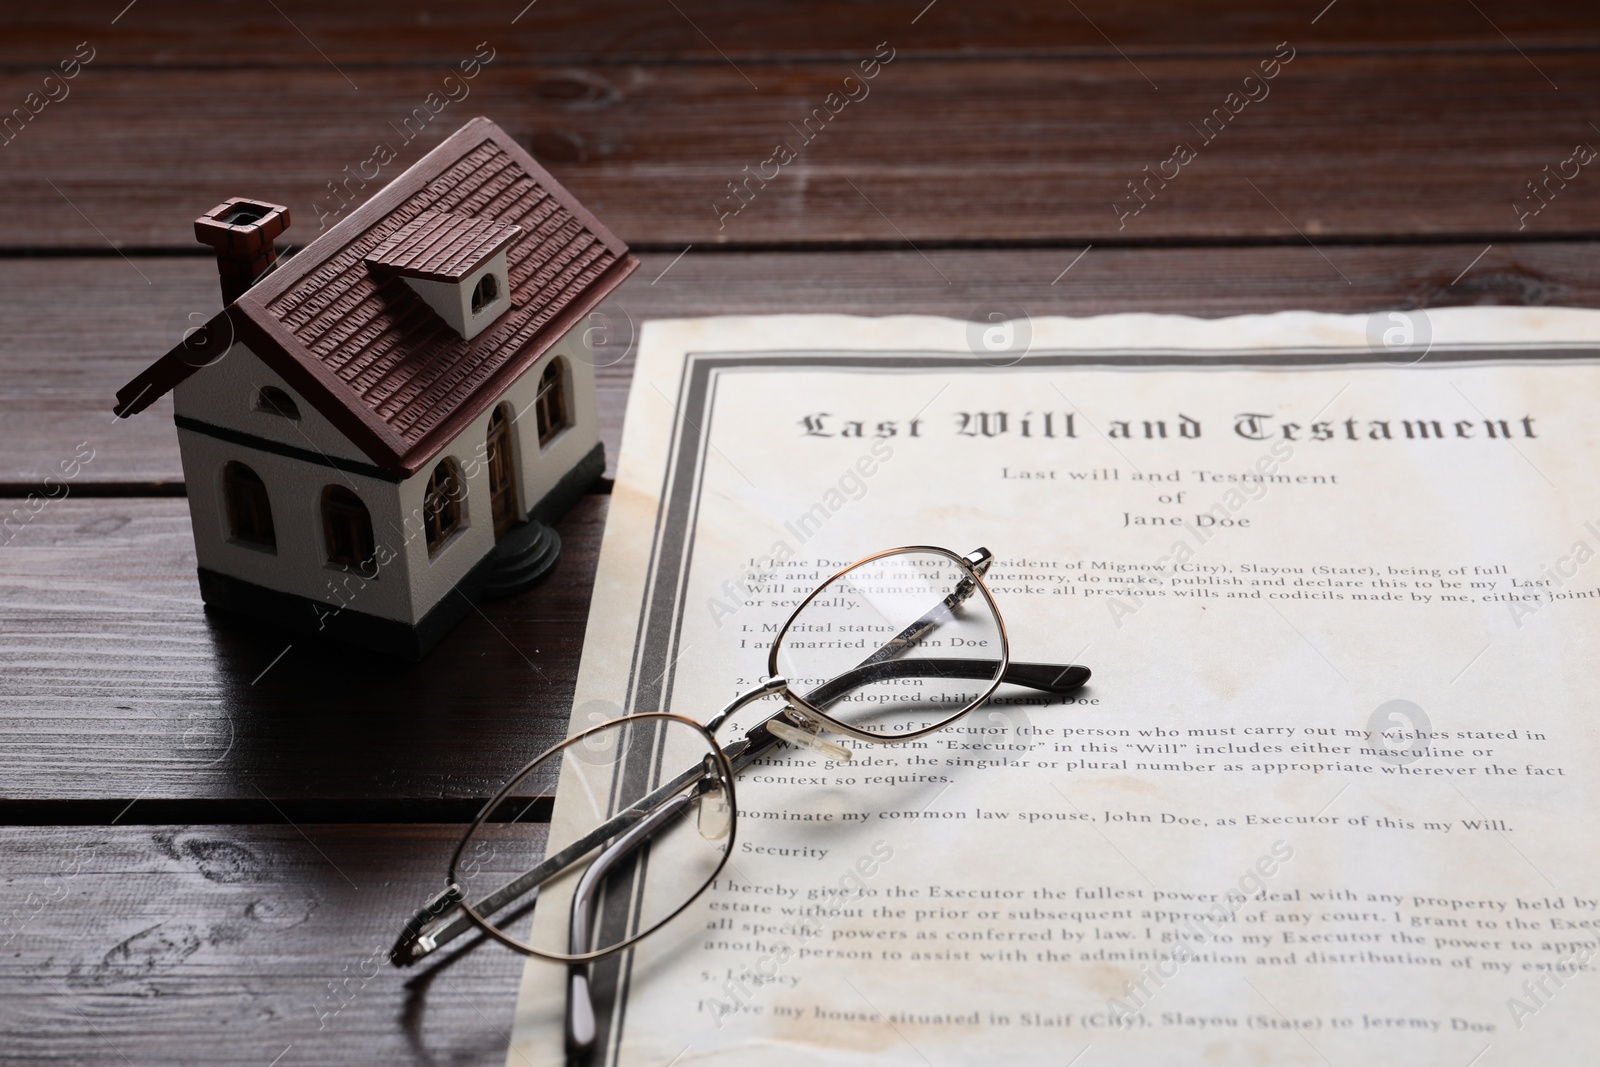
377,430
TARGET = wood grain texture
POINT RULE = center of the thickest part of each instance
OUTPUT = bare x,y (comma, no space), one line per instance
236,945
1346,146
61,368
377,32
118,684
1398,140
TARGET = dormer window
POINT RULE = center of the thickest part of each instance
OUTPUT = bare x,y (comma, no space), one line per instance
274,401
456,263
486,292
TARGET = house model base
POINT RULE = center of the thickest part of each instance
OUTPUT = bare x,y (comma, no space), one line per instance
378,432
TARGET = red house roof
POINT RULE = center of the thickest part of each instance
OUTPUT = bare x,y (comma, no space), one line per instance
440,246
347,333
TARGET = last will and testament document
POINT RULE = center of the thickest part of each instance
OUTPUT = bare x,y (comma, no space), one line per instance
1331,795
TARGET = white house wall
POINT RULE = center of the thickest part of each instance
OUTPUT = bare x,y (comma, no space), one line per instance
294,489
409,582
538,469
224,394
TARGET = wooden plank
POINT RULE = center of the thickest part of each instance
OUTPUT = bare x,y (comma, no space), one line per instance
1345,147
373,32
236,945
117,684
61,367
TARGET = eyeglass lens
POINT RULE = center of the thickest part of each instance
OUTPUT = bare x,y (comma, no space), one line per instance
895,645
601,772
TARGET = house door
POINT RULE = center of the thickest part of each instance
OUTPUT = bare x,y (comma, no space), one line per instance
502,476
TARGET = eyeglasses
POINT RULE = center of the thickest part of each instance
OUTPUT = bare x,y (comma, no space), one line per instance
893,647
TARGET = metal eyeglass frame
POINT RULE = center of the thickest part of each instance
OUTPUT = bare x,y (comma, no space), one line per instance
799,722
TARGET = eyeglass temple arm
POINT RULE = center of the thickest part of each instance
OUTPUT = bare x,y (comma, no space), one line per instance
1044,677
414,943
581,1025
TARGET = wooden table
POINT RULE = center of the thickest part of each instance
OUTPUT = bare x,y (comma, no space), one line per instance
208,839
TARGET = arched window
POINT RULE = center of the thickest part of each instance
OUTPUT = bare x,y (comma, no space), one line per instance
550,408
347,530
441,504
501,461
249,510
275,401
485,293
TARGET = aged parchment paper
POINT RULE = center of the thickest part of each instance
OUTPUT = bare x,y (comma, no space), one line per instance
1329,797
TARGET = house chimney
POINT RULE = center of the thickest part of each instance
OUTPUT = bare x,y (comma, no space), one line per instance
241,231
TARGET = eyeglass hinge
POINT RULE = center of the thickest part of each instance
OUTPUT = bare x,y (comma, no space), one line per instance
978,559
413,944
